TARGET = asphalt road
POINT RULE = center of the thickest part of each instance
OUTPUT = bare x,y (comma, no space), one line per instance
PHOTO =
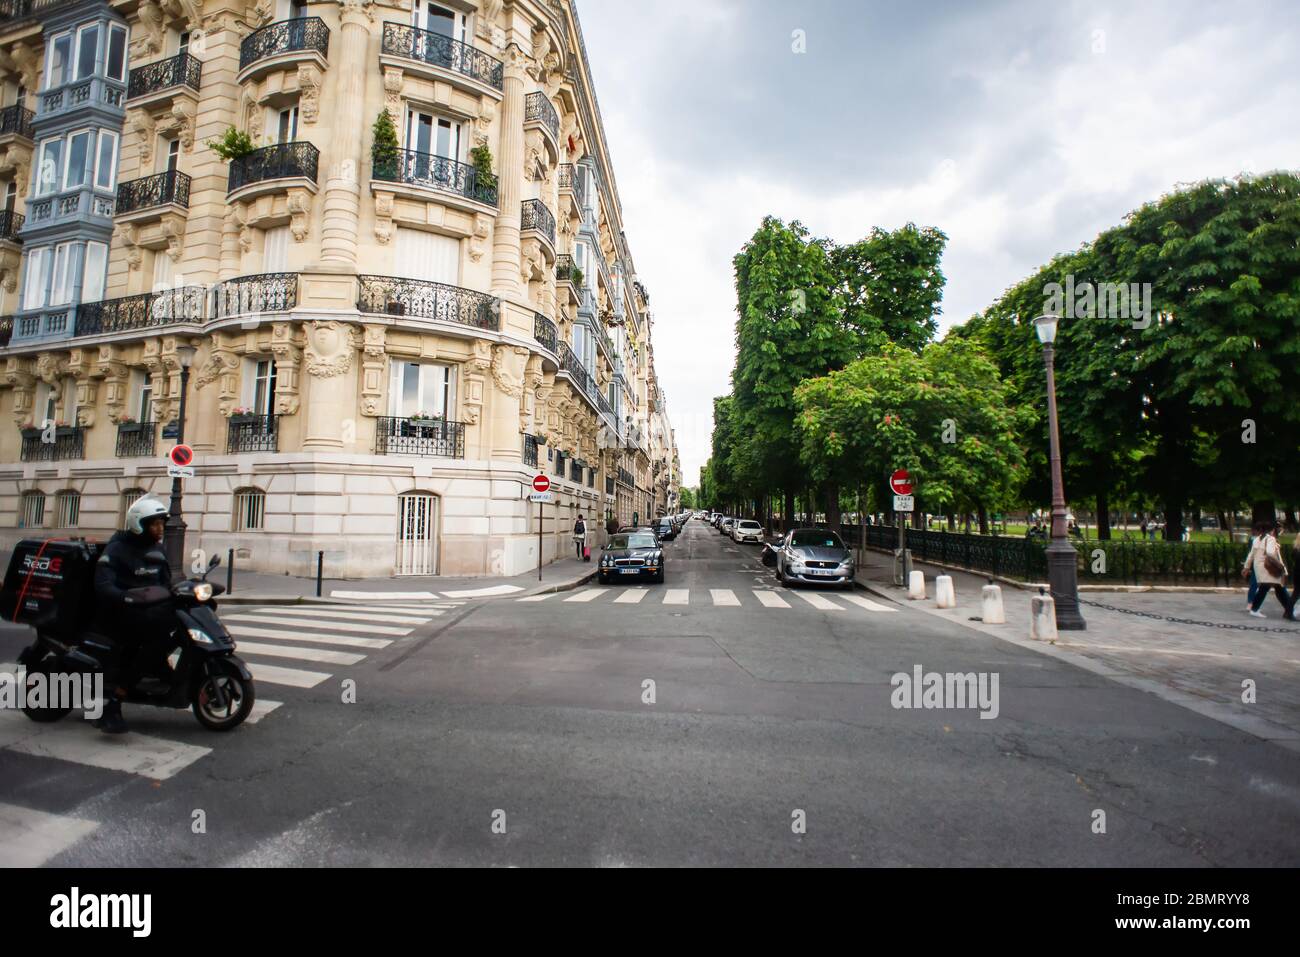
506,732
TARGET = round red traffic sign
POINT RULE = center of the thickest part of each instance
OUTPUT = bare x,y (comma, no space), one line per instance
541,484
900,482
181,455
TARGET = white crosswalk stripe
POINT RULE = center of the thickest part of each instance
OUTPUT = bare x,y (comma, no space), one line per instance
349,641
770,599
724,596
535,597
300,653
73,739
291,677
348,615
327,625
721,598
587,594
868,604
820,602
630,596
677,596
29,838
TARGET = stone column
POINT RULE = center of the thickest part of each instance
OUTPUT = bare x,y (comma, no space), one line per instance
510,176
328,359
342,189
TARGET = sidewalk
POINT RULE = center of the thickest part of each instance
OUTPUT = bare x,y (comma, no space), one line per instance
1201,667
262,588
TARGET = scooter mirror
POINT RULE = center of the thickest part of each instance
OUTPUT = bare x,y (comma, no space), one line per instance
216,560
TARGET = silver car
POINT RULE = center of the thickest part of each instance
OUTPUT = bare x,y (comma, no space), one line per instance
747,531
814,556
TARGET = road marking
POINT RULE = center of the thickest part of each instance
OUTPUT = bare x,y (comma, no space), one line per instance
349,626
323,655
868,604
73,739
819,601
677,596
29,838
587,594
770,599
346,641
630,596
292,677
261,708
534,598
1155,651
724,596
385,595
353,615
483,592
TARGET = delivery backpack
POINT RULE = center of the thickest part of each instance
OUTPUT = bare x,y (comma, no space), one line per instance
50,585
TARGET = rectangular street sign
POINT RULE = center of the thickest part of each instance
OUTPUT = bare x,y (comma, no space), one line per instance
904,503
180,471
541,496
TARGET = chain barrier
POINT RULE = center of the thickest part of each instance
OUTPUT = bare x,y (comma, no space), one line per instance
1228,626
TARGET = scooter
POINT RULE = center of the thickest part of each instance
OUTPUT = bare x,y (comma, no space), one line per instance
208,677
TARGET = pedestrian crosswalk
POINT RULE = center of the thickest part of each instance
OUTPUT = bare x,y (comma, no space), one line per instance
717,598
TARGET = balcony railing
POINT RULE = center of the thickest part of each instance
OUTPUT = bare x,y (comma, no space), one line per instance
426,46
6,330
68,443
422,299
180,70
160,189
135,439
538,107
533,214
566,270
141,312
626,477
569,363
436,172
287,36
10,225
269,292
281,161
431,437
252,433
544,331
16,119
530,450
569,179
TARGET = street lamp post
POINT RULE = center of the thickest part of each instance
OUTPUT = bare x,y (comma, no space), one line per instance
1062,567
175,530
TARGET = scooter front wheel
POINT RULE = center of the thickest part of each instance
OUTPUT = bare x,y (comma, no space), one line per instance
232,689
44,715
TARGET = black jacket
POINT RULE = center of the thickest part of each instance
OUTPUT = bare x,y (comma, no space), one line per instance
129,561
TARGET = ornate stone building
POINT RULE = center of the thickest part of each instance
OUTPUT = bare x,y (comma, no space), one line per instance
380,342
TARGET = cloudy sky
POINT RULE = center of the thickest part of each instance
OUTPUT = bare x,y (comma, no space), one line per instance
1019,129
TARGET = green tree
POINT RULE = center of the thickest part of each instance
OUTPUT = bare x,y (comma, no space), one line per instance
384,148
891,285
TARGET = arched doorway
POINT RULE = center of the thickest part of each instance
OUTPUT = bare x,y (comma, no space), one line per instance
417,534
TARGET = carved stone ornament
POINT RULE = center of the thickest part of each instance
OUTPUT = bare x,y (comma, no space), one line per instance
508,369
393,92
299,202
384,217
144,126
330,345
477,242
309,100
51,367
149,31
219,363
488,14
481,359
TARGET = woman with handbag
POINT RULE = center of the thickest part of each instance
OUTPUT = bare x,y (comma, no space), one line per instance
1266,559
580,536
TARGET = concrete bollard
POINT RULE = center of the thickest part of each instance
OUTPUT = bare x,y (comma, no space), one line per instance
991,600
945,596
916,585
1042,621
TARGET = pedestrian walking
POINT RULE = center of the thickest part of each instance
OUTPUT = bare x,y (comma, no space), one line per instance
1295,572
1255,531
1270,570
580,538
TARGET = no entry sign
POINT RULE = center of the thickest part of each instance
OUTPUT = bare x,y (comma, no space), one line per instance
541,483
181,455
900,483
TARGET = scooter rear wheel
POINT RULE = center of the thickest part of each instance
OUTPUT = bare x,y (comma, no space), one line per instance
239,695
42,715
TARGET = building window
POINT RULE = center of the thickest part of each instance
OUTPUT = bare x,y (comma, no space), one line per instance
67,509
144,400
57,60
33,510
61,290
250,510
95,272
117,53
437,19
426,388
80,147
129,498
37,277
287,125
47,176
87,50
264,386
430,134
106,161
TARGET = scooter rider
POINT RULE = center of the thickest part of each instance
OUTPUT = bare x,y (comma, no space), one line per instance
133,558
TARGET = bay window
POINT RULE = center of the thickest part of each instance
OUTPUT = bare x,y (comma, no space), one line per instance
116,68
36,278
47,174
416,388
87,50
80,147
95,272
57,60
106,161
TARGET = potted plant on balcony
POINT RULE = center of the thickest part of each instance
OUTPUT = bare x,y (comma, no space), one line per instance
234,144
384,154
240,415
127,424
31,431
541,438
575,276
485,181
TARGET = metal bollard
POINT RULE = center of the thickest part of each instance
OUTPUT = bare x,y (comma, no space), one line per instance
1042,620
230,571
320,565
945,595
991,602
916,585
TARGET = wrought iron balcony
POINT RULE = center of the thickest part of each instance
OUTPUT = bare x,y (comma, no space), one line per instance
570,180
68,442
412,43
566,270
422,299
171,187
436,172
539,109
288,36
269,292
180,70
530,450
135,439
141,312
533,214
17,120
433,437
11,224
252,433
6,330
280,161
544,331
626,477
569,363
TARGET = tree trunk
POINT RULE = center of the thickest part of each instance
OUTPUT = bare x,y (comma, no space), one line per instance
984,520
1103,516
787,518
1173,522
1196,519
833,517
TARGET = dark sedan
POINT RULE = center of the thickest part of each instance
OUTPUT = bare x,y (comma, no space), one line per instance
665,529
814,556
631,556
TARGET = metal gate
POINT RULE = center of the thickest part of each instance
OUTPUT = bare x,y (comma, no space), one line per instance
417,534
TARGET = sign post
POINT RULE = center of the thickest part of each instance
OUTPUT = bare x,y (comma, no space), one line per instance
541,495
900,483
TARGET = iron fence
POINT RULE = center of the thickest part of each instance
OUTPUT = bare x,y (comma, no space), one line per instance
432,437
287,36
252,433
436,172
170,186
180,70
426,46
135,439
279,161
424,299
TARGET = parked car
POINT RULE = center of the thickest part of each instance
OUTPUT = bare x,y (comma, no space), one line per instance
814,556
748,531
725,527
631,556
665,530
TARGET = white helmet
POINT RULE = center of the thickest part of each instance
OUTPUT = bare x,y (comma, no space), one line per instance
141,511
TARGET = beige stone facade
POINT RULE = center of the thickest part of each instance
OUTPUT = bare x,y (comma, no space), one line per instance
383,351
